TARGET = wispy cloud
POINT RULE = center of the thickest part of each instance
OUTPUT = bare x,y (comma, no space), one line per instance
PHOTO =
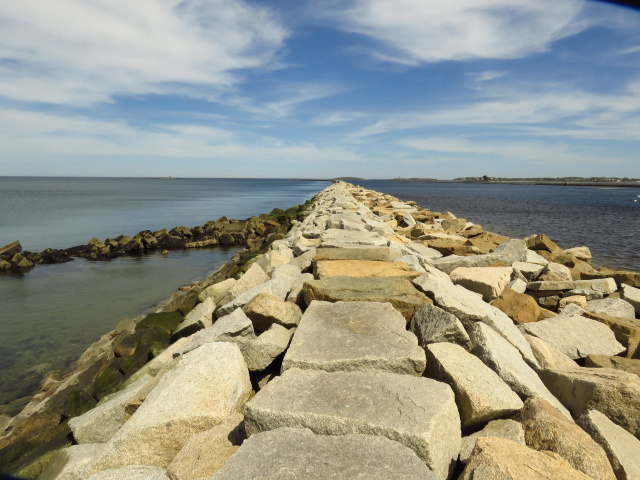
336,118
422,31
81,52
487,75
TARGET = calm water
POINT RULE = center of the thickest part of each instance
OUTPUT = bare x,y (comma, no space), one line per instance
51,314
607,220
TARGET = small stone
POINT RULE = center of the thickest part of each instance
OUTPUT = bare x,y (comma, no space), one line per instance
542,242
572,299
266,309
519,307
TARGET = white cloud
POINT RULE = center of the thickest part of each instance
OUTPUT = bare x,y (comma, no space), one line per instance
336,118
419,31
487,75
85,51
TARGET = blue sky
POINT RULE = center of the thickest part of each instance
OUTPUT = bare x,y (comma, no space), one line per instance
319,88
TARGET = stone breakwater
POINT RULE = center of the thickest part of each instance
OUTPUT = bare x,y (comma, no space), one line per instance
376,339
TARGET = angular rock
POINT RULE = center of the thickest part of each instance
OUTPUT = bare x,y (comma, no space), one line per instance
206,452
296,453
487,281
631,295
555,272
546,428
530,271
572,299
506,361
204,387
363,268
132,472
629,365
547,356
397,291
603,285
622,448
423,250
260,352
613,307
542,242
507,429
576,337
581,253
216,290
431,324
277,287
336,238
71,463
266,309
197,319
253,277
101,423
481,395
469,309
518,307
236,324
534,257
612,392
417,412
376,254
501,459
354,336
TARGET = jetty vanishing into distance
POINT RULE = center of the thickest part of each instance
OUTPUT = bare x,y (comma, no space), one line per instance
360,337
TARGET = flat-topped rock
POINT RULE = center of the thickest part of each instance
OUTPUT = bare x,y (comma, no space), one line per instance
602,285
631,295
417,412
354,336
612,392
376,254
297,453
629,365
614,307
363,268
277,287
480,393
576,337
487,281
333,236
397,291
506,361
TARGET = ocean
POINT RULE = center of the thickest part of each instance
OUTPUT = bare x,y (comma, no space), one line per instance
51,314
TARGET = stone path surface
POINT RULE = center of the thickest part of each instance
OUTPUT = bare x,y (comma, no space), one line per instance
378,339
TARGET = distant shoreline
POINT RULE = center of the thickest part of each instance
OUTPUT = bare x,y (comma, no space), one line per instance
496,182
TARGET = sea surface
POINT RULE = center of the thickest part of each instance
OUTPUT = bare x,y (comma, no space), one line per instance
605,219
52,313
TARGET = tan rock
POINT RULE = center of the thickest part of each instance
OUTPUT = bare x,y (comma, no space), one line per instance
547,356
519,307
555,272
628,365
545,428
581,253
509,429
266,309
501,459
487,281
205,453
542,242
363,268
572,299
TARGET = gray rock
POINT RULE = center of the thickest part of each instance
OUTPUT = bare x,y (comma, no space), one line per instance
555,272
613,307
296,453
469,308
530,271
480,393
132,472
236,324
431,324
506,361
603,285
631,295
622,448
288,272
547,356
202,389
423,250
71,463
216,290
277,287
375,254
587,293
253,277
260,352
508,429
576,337
534,257
412,260
101,423
517,285
354,336
197,319
335,237
417,412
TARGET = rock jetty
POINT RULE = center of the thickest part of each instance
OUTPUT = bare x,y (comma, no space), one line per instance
375,339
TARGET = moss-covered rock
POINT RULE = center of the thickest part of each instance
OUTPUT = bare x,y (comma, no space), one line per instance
166,321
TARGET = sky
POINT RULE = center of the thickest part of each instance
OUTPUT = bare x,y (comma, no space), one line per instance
319,88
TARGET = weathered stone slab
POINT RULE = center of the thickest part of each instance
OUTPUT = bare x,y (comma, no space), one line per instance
277,287
631,295
333,236
507,429
101,423
423,250
431,324
417,412
266,309
625,329
622,448
363,268
519,307
629,365
204,387
397,291
206,452
530,271
469,308
216,290
555,272
375,254
297,453
542,242
576,337
132,472
481,395
534,257
613,307
498,458
487,281
506,361
612,392
71,463
603,285
354,336
546,428
547,356
197,319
